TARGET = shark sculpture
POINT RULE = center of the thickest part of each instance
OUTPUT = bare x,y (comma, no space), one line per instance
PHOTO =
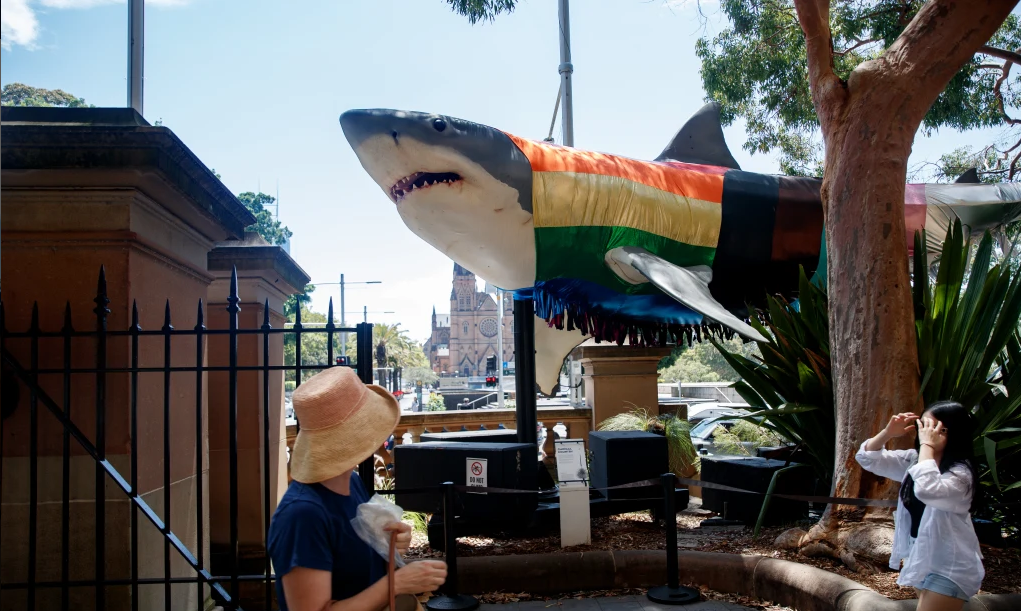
617,249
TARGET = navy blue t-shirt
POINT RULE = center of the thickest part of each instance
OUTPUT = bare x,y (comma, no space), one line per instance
311,528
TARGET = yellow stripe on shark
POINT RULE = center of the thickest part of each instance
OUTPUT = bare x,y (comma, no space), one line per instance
570,199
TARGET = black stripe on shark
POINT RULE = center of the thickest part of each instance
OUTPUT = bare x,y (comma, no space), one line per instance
770,226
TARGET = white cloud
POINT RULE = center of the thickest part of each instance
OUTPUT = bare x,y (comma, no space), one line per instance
21,27
18,25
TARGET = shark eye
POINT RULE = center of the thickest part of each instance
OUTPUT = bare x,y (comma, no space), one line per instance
439,124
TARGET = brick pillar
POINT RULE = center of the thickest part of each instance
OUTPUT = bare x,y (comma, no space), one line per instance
266,274
84,188
616,377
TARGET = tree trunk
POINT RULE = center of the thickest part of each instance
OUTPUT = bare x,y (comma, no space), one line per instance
868,125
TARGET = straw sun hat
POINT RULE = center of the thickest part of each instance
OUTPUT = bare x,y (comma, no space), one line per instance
342,422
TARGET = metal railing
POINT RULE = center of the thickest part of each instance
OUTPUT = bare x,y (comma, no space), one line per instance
136,396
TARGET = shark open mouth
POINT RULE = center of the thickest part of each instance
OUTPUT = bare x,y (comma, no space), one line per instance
421,180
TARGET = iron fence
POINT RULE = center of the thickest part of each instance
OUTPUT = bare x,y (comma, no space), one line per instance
46,368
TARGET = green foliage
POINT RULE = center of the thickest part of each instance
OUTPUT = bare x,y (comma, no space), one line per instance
19,94
744,434
757,69
289,386
682,455
481,10
702,362
314,346
266,226
435,403
790,384
966,325
420,374
297,300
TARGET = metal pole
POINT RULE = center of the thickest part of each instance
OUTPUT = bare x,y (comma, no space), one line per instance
365,313
499,348
524,370
566,69
343,314
136,52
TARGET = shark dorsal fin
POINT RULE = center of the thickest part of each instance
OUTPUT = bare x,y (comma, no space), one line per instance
971,176
701,141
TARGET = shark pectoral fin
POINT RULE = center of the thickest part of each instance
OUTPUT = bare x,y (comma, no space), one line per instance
689,286
552,346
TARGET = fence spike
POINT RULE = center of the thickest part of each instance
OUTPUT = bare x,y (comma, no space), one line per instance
329,314
297,317
233,299
265,315
35,317
166,318
68,326
200,318
135,327
101,299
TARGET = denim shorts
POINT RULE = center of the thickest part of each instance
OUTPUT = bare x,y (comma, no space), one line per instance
941,585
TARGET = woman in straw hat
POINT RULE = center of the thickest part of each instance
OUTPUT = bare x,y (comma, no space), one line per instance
321,564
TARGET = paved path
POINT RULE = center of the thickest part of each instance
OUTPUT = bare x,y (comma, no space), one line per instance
615,603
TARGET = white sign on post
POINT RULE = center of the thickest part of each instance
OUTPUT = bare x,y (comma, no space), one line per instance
572,471
571,464
477,473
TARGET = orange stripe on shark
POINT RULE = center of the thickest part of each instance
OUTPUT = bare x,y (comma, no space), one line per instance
690,180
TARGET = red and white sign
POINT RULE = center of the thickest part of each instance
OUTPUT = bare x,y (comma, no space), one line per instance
477,472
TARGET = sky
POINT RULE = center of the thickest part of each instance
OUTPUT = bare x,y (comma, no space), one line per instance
254,88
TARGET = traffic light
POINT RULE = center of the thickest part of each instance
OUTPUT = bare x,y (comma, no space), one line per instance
342,360
490,381
490,364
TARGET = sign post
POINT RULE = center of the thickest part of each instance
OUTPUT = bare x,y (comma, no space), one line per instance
476,473
572,473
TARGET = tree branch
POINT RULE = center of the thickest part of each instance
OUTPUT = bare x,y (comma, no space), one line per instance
1010,56
932,48
828,91
998,92
860,43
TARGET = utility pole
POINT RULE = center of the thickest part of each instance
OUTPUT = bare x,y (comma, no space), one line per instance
136,53
566,69
343,317
499,348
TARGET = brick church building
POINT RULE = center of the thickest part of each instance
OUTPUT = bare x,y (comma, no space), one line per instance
461,340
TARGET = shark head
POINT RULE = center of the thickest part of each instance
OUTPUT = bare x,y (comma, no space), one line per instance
464,188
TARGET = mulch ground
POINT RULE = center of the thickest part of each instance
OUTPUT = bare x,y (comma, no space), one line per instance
636,531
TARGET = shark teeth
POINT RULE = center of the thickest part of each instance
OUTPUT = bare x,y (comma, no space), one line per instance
420,180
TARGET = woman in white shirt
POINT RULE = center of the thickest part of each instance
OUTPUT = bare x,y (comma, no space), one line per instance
933,532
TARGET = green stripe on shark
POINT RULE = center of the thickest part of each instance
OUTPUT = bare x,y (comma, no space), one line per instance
582,250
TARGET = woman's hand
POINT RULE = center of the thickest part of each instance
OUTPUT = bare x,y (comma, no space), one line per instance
403,536
900,425
419,577
932,433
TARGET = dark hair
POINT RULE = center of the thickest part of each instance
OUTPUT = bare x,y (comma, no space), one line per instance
960,426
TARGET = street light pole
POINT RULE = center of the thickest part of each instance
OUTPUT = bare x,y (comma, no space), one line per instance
136,53
566,69
499,347
343,317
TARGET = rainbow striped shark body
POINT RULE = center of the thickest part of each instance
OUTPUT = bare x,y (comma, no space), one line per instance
618,249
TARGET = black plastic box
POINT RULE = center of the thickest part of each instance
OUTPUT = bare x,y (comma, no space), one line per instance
622,457
754,473
509,465
488,436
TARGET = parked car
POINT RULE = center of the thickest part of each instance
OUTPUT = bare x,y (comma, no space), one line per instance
698,412
702,435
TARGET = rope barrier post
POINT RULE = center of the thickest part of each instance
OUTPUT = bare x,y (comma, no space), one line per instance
672,593
450,600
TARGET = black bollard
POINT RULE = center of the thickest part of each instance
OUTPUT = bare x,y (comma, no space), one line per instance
450,600
672,593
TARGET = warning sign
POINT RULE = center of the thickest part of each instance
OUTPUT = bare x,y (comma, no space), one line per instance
477,472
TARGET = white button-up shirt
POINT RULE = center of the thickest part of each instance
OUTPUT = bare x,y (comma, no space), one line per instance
946,543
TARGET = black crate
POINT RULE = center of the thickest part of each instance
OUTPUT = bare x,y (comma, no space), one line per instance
622,457
754,473
489,436
509,465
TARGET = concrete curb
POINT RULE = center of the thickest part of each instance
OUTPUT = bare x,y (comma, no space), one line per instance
795,585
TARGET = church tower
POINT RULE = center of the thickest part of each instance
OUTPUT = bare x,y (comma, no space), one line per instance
462,296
